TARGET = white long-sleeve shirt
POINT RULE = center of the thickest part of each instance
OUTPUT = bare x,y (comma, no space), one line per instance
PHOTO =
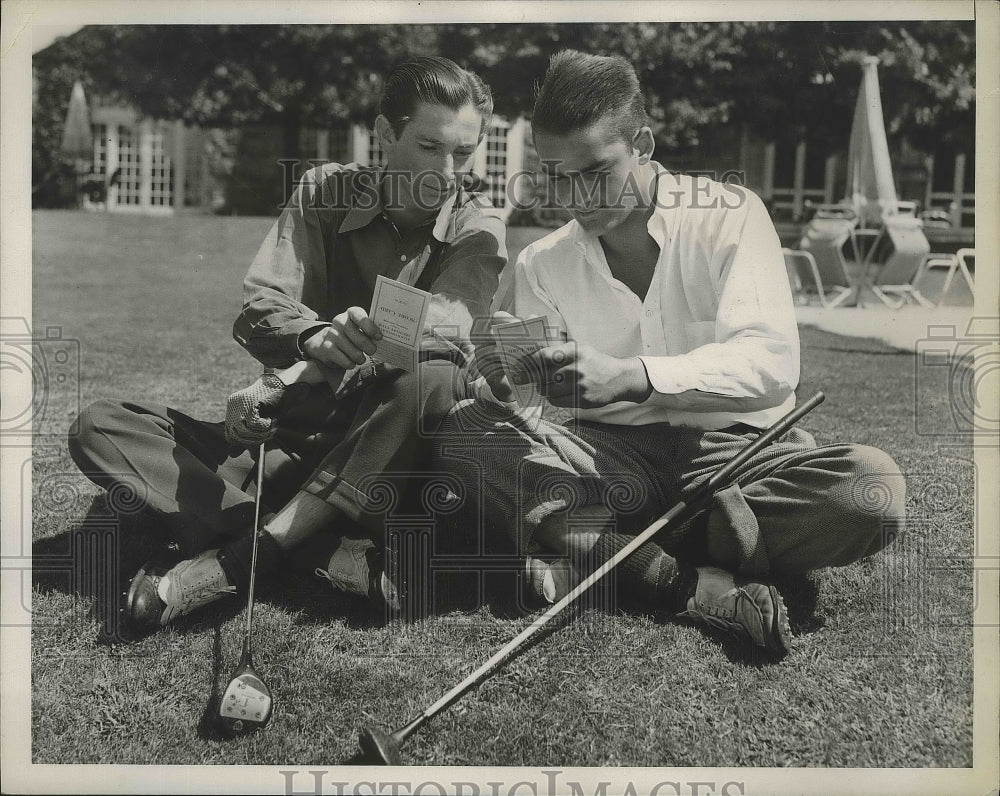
716,331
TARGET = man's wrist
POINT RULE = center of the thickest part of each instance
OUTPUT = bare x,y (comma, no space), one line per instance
305,335
637,384
291,374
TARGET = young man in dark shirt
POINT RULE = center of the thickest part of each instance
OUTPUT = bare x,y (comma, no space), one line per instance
304,318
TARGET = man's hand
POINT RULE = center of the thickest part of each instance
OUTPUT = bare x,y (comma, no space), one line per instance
345,342
486,361
252,413
579,376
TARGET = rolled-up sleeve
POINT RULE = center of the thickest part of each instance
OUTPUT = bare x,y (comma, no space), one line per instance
748,359
532,300
291,259
470,273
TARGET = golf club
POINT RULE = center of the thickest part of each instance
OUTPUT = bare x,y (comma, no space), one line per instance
382,748
246,704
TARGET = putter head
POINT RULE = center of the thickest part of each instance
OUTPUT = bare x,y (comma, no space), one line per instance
246,704
379,748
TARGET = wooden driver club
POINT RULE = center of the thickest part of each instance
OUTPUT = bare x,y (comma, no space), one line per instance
246,704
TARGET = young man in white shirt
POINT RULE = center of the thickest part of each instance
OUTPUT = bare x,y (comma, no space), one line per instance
671,335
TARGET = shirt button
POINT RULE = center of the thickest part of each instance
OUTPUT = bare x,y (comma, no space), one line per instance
402,258
649,313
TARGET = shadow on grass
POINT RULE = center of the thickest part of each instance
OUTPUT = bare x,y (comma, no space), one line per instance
96,560
800,595
208,725
315,602
318,603
429,587
97,557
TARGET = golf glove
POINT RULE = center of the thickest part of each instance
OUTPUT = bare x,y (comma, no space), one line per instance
252,413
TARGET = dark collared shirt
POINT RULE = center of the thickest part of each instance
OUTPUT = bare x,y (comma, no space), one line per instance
331,242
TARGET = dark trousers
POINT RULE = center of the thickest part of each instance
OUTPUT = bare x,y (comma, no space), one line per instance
357,453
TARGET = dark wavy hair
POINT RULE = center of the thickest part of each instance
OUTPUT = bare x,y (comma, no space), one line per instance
436,80
580,89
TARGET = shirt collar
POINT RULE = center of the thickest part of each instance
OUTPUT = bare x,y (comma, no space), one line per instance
360,214
365,200
444,230
657,224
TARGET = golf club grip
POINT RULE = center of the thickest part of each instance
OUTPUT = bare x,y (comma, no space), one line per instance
779,429
713,483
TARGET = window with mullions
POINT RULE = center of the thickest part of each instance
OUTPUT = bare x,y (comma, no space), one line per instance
159,190
340,145
496,164
100,133
128,162
376,157
325,146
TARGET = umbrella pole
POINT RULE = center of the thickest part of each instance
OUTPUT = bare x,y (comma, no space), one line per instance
78,168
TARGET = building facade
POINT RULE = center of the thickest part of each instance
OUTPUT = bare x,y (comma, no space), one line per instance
159,167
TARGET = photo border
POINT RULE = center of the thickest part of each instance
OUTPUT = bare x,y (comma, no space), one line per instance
24,20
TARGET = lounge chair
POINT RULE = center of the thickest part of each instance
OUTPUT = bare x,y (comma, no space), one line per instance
817,267
963,256
958,261
895,260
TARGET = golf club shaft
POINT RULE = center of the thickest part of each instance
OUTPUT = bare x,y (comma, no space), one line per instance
704,491
253,555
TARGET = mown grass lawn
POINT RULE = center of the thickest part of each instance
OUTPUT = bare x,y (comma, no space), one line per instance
881,675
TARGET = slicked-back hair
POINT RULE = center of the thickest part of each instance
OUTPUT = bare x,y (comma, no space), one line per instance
435,80
580,89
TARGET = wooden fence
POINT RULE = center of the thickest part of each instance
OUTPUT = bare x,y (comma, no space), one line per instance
959,204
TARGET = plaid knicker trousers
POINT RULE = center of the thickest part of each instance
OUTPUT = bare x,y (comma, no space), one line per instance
793,507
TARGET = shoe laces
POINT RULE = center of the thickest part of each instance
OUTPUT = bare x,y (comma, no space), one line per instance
349,568
724,608
193,597
188,595
384,589
726,625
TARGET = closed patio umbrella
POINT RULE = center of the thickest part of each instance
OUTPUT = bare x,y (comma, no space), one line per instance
896,242
870,189
77,139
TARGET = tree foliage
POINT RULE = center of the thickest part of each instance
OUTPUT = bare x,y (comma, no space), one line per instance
806,75
778,79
